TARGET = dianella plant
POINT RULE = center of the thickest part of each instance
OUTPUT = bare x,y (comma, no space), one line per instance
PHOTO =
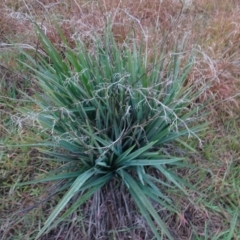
110,113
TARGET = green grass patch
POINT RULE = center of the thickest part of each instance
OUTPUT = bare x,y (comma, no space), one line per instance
112,115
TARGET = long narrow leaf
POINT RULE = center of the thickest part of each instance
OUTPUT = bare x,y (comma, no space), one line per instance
76,186
145,206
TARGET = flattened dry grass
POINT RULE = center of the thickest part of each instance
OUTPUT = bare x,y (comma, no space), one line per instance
214,26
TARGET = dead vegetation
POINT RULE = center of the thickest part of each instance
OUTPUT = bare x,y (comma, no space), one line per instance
213,25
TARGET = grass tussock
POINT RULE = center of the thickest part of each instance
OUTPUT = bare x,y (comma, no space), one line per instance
212,28
117,110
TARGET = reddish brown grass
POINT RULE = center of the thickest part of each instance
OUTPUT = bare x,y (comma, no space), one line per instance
214,24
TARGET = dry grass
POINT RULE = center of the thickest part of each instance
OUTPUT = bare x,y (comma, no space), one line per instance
215,25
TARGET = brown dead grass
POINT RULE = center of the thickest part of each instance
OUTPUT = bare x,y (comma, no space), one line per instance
214,24
221,42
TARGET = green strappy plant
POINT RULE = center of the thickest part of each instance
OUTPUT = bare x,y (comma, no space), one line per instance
110,113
